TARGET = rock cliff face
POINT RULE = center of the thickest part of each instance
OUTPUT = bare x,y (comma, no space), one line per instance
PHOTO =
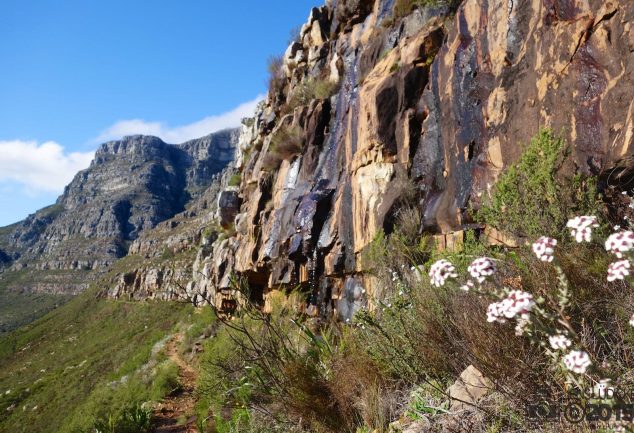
443,99
131,186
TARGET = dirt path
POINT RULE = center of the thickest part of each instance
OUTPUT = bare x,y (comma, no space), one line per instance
175,413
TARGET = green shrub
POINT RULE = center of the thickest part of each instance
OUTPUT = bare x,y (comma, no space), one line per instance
276,77
165,381
405,7
261,363
167,253
310,89
133,419
532,199
203,324
235,180
286,142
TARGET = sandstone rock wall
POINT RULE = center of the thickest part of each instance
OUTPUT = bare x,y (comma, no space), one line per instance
443,99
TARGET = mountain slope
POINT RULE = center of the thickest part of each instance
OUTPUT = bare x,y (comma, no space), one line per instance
82,360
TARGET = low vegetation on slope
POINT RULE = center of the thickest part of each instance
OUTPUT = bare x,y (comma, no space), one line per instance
88,363
21,304
17,309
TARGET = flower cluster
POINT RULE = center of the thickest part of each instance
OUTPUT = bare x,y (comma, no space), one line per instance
516,303
441,271
581,227
482,268
577,361
559,342
544,248
618,270
619,243
495,313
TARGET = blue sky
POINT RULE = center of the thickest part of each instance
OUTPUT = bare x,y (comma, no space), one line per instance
76,72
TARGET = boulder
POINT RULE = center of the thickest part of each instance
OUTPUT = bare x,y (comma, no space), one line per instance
470,387
229,203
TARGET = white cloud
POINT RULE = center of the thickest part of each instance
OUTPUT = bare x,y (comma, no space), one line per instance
44,167
182,133
47,167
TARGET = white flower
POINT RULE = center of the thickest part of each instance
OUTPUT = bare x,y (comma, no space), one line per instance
441,271
517,302
617,227
603,389
581,227
482,268
495,313
577,361
544,248
559,342
522,324
619,243
618,270
632,320
467,286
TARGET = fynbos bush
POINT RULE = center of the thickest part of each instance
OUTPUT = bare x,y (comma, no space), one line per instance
532,198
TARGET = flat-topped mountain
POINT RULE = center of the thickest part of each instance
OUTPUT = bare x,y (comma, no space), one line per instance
132,185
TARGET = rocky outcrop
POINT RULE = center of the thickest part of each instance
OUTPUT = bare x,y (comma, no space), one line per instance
163,261
441,100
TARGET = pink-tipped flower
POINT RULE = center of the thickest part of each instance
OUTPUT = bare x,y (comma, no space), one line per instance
495,313
441,271
581,227
544,248
577,361
517,302
481,268
467,286
619,243
618,270
559,342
